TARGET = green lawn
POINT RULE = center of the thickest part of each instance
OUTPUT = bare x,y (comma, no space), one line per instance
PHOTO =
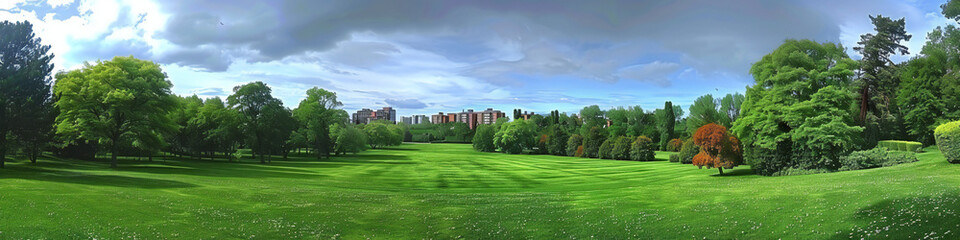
449,191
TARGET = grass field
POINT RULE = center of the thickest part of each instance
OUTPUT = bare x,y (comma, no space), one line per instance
450,191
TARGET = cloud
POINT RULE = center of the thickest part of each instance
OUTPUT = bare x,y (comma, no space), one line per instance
656,72
406,103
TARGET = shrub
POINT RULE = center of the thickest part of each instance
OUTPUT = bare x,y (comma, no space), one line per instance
557,144
542,144
718,149
874,158
642,149
592,142
621,148
606,149
579,152
574,145
483,139
687,152
675,145
906,146
948,140
798,171
675,158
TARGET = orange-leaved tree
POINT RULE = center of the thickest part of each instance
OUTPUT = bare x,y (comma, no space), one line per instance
718,148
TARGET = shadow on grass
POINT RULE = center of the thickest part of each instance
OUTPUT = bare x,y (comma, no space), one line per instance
933,217
62,176
734,173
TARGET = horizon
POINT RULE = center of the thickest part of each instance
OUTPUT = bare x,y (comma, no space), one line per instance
465,55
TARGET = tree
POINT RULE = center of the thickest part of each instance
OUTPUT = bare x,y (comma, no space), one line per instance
642,149
276,125
121,99
879,81
592,142
349,139
930,86
557,144
702,112
483,138
221,126
251,100
316,113
24,87
381,134
773,124
573,143
730,108
718,149
591,116
606,148
515,136
668,120
951,10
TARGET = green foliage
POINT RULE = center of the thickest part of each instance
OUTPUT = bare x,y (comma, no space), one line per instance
878,79
688,150
483,138
592,141
348,139
115,103
621,148
515,137
800,111
951,9
315,114
606,148
382,133
573,143
675,158
906,146
948,140
667,122
703,111
930,88
221,126
592,117
874,158
643,149
26,113
730,108
557,144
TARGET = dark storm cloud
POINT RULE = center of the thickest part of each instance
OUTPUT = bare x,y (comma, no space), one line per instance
581,38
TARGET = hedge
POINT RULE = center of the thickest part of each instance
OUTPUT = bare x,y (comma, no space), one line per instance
948,140
906,146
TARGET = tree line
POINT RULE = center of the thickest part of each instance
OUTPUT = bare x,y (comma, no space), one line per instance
125,107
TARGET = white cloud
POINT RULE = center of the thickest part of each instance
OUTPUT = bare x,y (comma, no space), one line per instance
656,72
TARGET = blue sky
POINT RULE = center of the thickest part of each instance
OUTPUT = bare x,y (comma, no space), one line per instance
423,56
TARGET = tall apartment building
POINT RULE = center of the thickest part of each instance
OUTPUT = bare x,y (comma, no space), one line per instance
406,120
470,117
420,119
366,115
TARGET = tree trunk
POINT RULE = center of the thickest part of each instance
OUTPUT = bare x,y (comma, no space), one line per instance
113,156
3,151
721,170
864,104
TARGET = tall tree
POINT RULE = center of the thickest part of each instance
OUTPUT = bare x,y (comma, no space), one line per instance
879,80
115,103
730,108
591,116
702,112
221,126
667,125
316,113
24,85
785,110
251,100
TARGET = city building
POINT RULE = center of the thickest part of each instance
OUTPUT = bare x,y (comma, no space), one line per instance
526,116
420,119
364,116
470,117
406,120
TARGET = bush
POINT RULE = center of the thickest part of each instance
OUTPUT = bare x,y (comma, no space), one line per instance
483,139
574,144
675,145
948,140
621,148
592,142
675,158
798,171
874,158
642,149
687,152
557,145
906,146
579,152
606,149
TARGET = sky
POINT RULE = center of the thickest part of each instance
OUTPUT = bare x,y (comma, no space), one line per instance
424,57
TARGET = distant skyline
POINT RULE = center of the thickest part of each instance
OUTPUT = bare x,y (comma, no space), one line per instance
424,57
